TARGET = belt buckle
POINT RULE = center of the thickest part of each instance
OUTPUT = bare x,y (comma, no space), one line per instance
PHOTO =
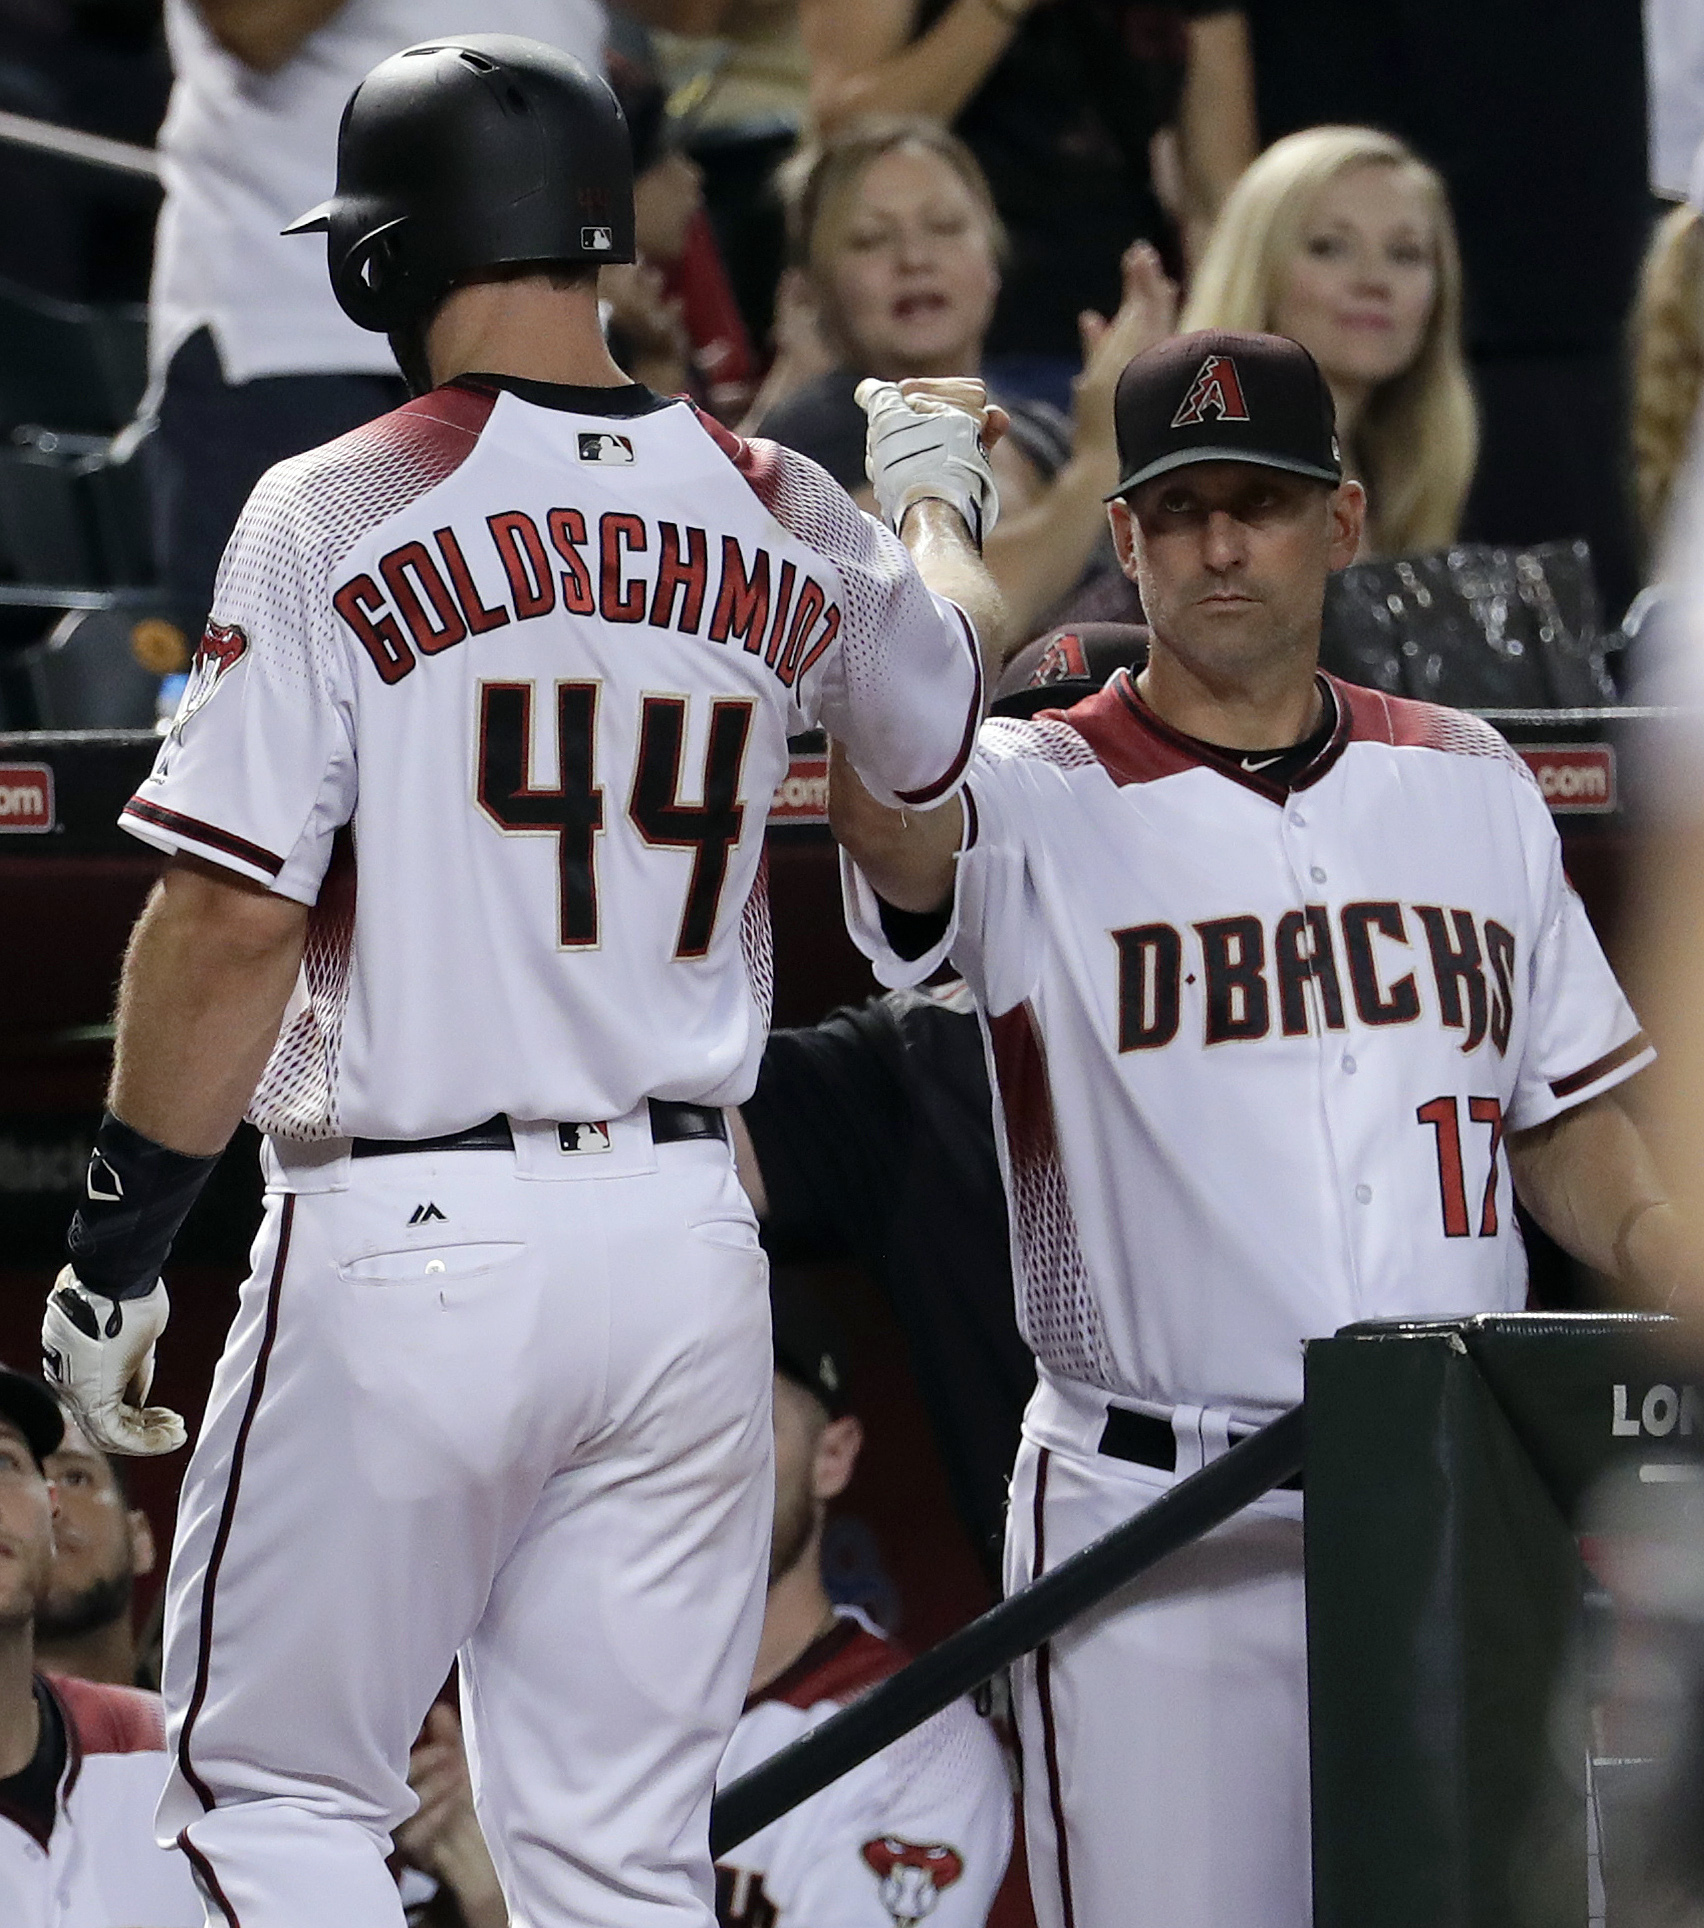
576,1140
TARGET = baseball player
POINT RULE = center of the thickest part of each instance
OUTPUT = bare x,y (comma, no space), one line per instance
465,804
81,1761
1284,989
924,1828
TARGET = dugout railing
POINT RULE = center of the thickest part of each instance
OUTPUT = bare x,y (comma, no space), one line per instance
1445,1464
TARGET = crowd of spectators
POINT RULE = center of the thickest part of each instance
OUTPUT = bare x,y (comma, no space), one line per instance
1032,191
1024,188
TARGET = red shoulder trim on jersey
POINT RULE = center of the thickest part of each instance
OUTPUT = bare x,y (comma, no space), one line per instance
1407,724
107,1719
208,835
462,407
1136,746
844,1662
1117,728
756,460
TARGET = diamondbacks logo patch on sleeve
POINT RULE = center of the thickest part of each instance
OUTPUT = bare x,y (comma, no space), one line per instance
911,1874
223,646
1215,391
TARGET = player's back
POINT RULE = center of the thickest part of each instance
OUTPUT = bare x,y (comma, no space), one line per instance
504,681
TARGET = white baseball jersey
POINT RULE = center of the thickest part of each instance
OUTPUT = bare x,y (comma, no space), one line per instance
99,1867
501,686
923,1828
1255,1048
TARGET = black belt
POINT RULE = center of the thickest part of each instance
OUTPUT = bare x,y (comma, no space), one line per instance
671,1124
1146,1441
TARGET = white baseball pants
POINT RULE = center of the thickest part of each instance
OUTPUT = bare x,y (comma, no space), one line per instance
530,1428
1164,1735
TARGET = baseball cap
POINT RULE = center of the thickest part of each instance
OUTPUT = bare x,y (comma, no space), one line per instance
808,1346
1065,665
1219,397
28,1404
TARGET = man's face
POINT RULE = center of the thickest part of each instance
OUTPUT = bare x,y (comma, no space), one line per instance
799,1423
1232,559
26,1530
101,1545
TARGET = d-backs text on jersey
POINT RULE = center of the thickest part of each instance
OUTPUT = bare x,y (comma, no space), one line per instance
1254,981
429,602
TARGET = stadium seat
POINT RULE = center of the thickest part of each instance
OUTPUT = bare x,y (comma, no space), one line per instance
66,366
46,533
86,677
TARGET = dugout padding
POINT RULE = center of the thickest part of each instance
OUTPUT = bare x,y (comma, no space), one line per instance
1449,1719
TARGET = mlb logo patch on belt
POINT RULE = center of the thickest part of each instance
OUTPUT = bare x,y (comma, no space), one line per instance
574,1140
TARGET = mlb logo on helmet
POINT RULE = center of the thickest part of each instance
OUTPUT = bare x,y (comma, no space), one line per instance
597,240
1215,391
604,445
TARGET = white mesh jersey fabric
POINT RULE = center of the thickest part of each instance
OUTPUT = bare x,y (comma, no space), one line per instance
538,667
1043,739
1256,1050
1057,1312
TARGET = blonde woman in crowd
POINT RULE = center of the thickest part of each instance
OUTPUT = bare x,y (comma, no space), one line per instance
1668,365
1341,238
896,249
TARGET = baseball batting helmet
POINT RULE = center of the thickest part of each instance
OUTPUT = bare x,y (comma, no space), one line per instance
462,155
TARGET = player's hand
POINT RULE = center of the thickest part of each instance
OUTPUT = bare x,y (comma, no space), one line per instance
929,441
442,1836
98,1355
1147,313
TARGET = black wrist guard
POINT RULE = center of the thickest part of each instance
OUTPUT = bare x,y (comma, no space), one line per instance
135,1199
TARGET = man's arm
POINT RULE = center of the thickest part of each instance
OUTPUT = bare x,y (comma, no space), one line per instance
206,980
264,34
907,855
863,59
209,971
1590,1181
1217,134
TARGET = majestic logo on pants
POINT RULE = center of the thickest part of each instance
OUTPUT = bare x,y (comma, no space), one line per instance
912,1874
223,646
1215,391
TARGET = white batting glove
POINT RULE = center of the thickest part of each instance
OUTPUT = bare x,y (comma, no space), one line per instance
921,448
98,1355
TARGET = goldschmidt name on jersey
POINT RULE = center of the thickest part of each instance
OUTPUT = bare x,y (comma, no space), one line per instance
431,601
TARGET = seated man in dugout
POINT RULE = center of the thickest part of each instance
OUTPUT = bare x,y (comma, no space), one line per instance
925,1826
102,1545
82,1763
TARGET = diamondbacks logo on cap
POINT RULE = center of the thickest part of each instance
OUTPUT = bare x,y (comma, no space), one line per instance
607,447
1215,391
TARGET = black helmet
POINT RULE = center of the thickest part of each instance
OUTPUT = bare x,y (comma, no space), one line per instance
460,155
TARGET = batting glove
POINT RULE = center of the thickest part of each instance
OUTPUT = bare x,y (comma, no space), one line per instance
98,1355
921,448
